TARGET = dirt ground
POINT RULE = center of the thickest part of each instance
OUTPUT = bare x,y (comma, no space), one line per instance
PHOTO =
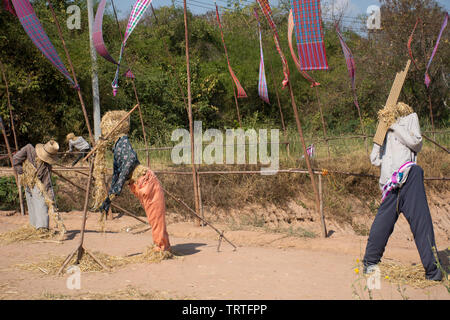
265,265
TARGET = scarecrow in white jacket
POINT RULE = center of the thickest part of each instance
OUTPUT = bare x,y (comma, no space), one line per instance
402,186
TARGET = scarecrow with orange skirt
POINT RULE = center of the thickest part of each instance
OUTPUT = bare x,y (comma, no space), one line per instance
142,181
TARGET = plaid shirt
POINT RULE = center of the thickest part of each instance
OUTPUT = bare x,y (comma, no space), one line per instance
125,161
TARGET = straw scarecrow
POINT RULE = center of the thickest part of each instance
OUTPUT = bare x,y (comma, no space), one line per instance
127,169
78,143
34,166
401,183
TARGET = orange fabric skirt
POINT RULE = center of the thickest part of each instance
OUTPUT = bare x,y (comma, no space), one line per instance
149,192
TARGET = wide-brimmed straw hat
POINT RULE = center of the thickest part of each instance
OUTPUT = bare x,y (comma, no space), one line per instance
48,152
70,136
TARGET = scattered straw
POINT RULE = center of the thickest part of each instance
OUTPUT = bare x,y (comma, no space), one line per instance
413,276
27,233
52,265
129,293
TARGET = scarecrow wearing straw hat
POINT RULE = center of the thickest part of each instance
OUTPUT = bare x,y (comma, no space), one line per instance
78,143
127,169
402,186
34,165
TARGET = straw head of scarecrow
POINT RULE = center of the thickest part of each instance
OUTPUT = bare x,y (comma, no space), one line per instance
110,120
70,136
391,113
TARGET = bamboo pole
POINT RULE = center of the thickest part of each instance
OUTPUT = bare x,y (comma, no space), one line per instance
9,107
80,250
206,223
191,124
126,212
83,107
22,210
323,122
308,164
279,107
134,87
169,55
237,106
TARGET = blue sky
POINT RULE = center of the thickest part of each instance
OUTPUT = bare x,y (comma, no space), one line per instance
353,7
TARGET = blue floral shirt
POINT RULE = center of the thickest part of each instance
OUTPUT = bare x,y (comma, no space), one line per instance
125,161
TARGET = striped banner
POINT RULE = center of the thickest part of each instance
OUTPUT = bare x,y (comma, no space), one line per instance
97,33
262,83
309,34
34,29
241,93
427,77
265,7
314,83
136,14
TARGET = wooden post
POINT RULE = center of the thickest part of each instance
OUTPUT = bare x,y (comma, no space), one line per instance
134,88
191,124
200,198
86,118
22,210
322,216
308,164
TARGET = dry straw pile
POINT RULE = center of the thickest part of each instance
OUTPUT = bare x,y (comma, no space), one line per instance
413,275
52,265
27,233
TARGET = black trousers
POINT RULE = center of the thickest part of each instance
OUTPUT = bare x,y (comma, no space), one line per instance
81,155
412,201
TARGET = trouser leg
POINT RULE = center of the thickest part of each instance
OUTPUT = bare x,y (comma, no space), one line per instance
382,228
39,210
151,196
414,205
81,155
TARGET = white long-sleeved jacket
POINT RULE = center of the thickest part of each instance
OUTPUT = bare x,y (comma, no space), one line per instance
402,143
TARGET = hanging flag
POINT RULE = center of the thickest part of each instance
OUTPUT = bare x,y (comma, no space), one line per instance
427,77
309,34
8,7
34,29
410,41
97,33
136,14
294,56
241,93
265,7
262,83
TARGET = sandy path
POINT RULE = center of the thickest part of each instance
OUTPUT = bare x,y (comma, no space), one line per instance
265,266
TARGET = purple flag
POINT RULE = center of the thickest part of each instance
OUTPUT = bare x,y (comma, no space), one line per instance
427,77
